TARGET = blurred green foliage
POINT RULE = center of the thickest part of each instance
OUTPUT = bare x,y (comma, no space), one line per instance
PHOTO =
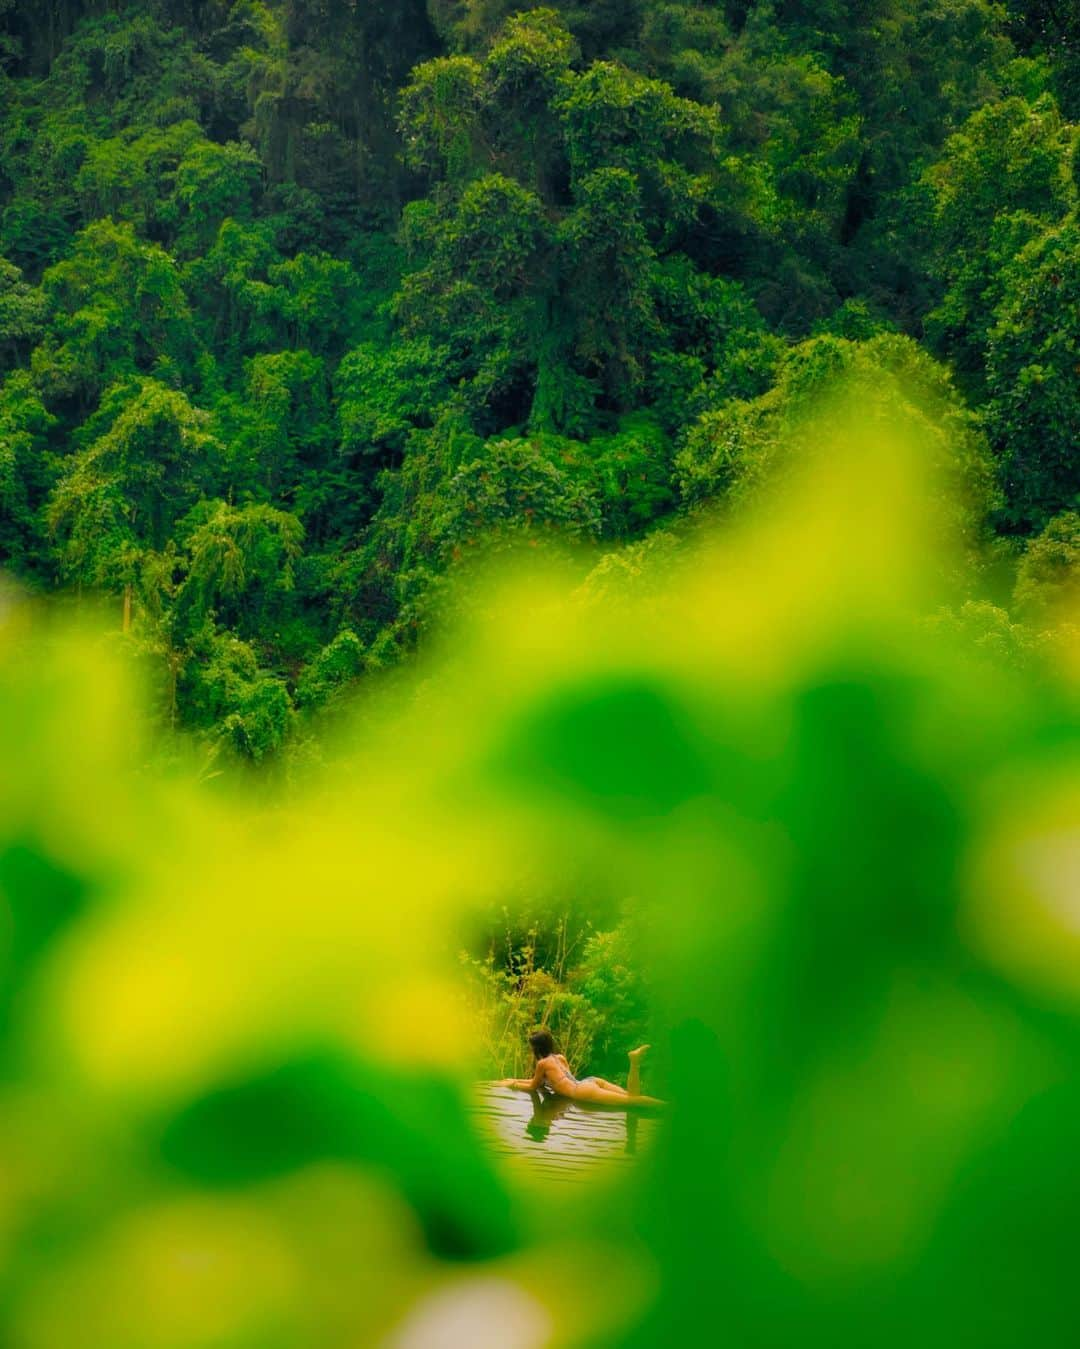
238,1034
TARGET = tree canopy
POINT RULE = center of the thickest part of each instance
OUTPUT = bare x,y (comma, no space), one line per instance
303,303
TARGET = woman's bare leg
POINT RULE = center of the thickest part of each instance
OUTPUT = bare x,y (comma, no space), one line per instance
633,1080
597,1095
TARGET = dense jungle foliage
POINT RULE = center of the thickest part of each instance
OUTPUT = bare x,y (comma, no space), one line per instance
303,303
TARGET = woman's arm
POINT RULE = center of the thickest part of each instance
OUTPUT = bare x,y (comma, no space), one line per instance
525,1083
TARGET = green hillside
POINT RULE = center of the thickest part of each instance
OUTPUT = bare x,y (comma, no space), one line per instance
303,303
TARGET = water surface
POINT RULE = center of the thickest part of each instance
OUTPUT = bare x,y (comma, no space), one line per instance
553,1138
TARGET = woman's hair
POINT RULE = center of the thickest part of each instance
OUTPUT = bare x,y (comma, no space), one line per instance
542,1043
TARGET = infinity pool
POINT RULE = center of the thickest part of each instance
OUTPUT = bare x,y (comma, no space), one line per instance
552,1138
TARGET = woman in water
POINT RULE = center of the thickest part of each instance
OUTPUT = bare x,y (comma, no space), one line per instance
553,1072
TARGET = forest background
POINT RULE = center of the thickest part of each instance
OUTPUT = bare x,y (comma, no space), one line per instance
307,304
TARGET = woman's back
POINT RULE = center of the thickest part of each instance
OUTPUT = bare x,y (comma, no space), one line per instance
557,1072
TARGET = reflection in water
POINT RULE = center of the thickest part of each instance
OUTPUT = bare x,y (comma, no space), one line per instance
553,1138
547,1107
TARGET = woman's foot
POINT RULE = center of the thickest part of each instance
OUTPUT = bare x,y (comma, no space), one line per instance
636,1054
